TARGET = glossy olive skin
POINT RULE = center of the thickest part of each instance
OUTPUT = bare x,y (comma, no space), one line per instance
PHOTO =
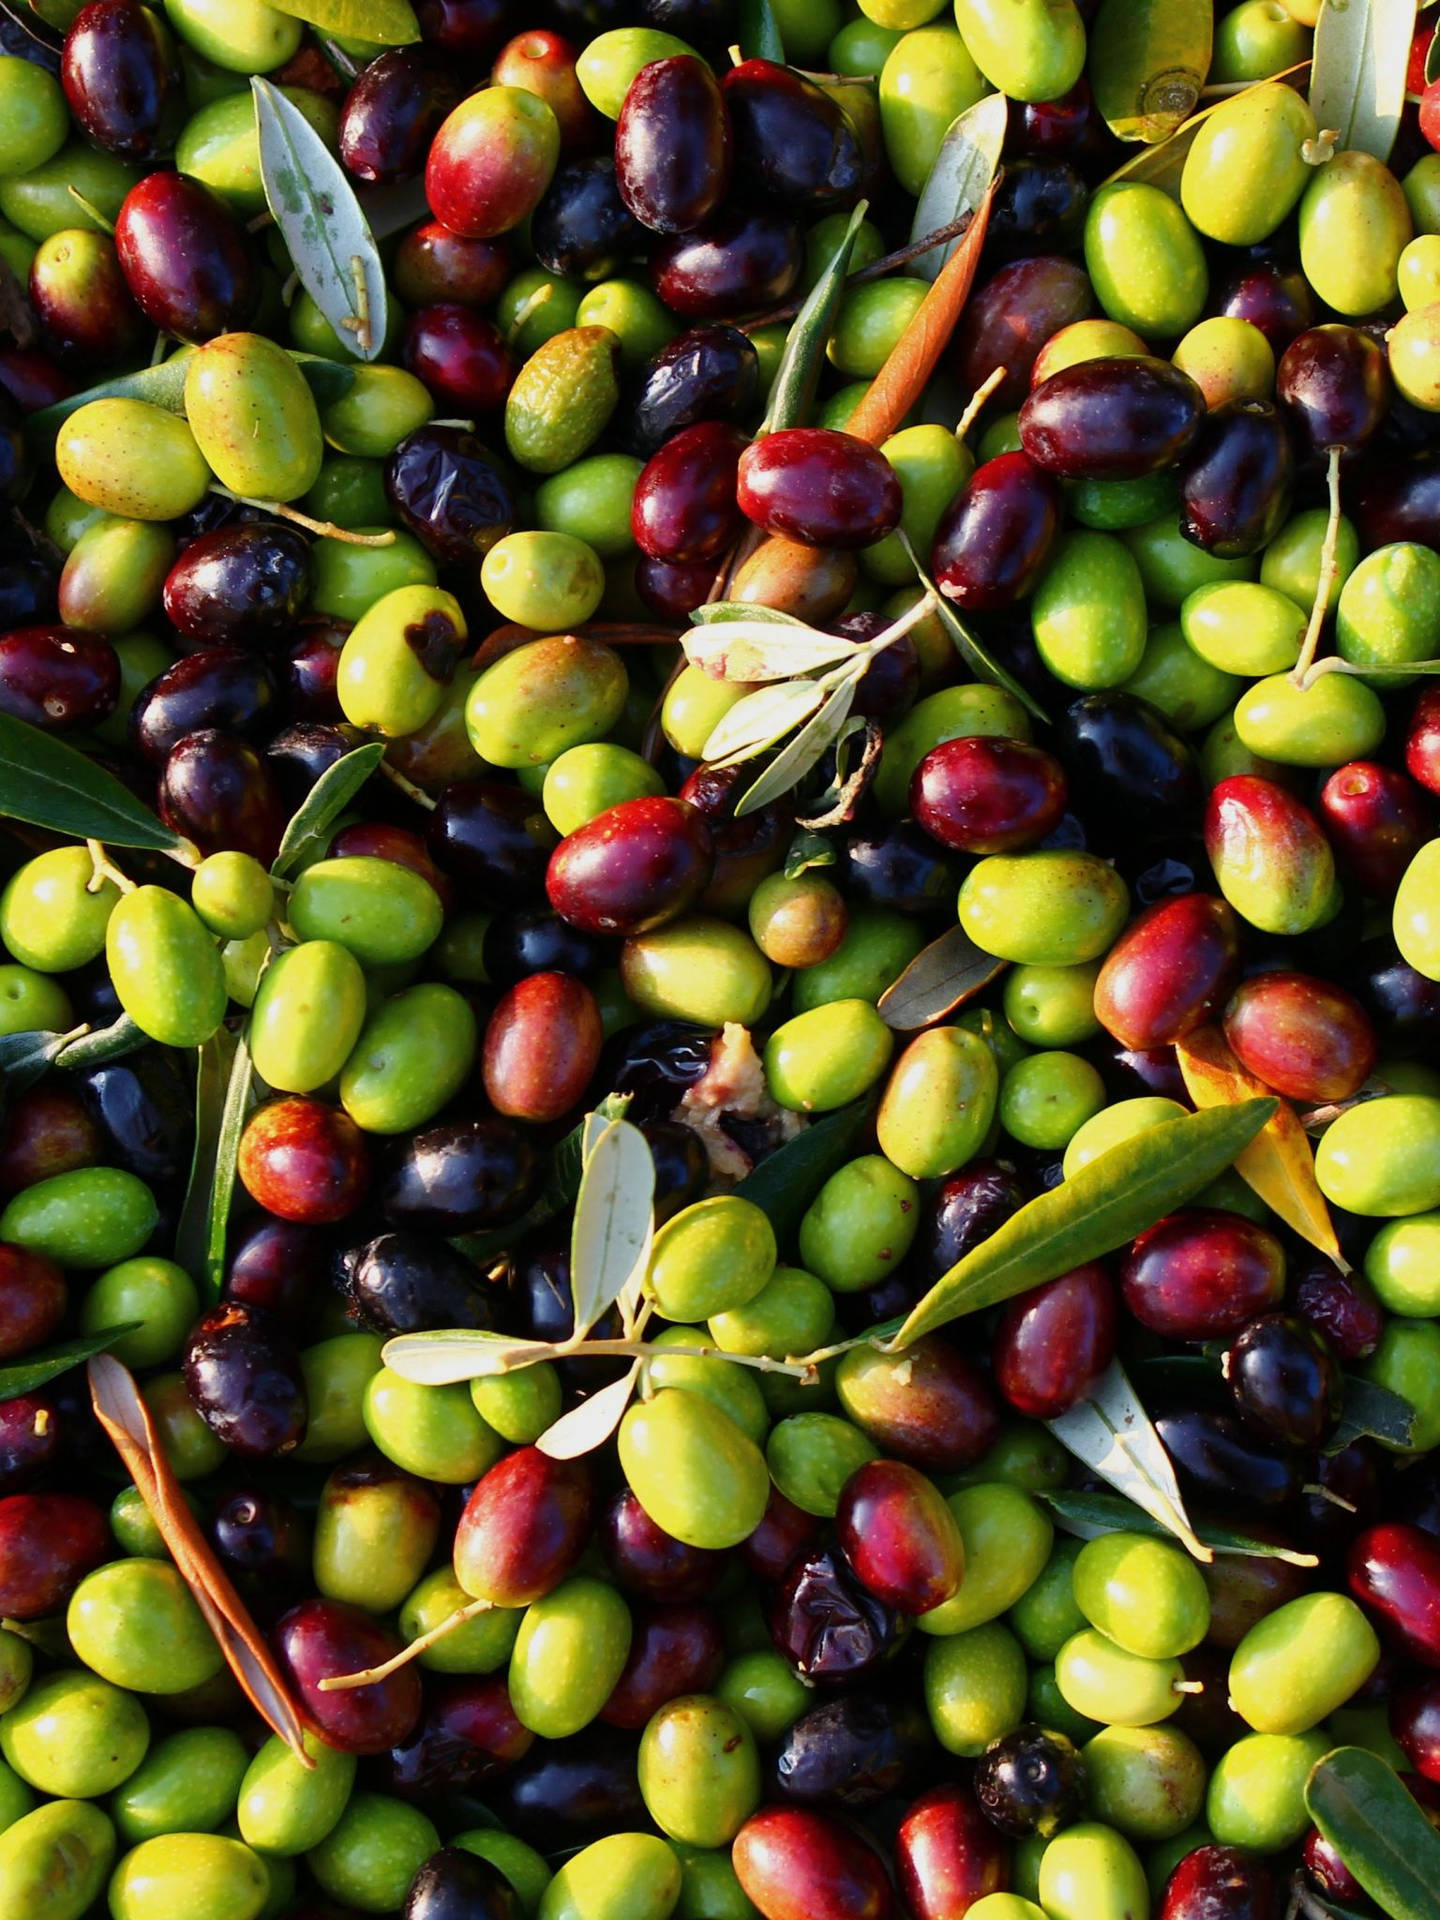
632,868
56,678
796,1865
1272,861
1054,1342
494,837
304,1161
1111,419
319,1639
1283,1379
1334,384
450,491
541,1047
186,262
822,488
684,509
736,263
672,145
675,1650
980,794
1394,1569
829,1627
1235,481
405,1283
218,687
120,87
244,1378
996,534
392,113
1201,1273
899,1536
939,1413
1169,971
460,1176
947,1854
792,144
1305,1037
221,794
1010,316
453,1883
1377,820
1220,1883
854,1750
239,586
583,228
525,1525
705,373
1139,776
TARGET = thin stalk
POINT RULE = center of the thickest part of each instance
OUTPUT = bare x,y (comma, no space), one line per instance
103,868
876,270
325,528
977,400
1329,568
370,1676
408,787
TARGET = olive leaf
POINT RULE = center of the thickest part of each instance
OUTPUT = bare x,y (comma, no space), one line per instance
784,1183
25,1057
215,1060
461,1353
969,648
1378,1830
759,35
959,179
760,720
941,977
793,390
310,826
1147,62
330,243
1088,1516
591,1423
852,779
1116,1438
38,1369
164,386
122,1036
806,750
209,1273
1432,60
809,849
386,23
717,612
1357,72
1103,1206
1371,1411
751,651
614,1220
51,784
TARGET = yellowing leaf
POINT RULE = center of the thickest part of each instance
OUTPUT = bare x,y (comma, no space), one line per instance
1279,1163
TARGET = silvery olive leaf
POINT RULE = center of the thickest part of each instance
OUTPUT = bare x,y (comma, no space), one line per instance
806,750
1112,1433
715,613
614,1219
1357,73
757,650
461,1353
959,179
760,719
590,1424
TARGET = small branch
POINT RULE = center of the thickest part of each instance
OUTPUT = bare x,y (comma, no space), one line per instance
103,868
407,787
325,528
877,269
802,1370
1329,568
537,300
1317,1492
370,1676
977,400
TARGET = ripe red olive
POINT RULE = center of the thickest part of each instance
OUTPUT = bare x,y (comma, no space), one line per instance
186,261
1220,1883
1054,1342
48,1543
1235,480
1111,419
674,1650
1202,1273
58,677
899,1536
322,1639
672,145
541,1046
304,1161
1169,971
525,1525
684,509
795,1864
947,1854
1334,384
1008,319
1305,1037
740,261
996,534
982,794
632,867
1377,820
1395,1570
460,355
823,488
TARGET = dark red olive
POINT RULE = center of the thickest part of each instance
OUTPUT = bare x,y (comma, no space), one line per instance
1395,1570
322,1639
87,317
772,1549
632,867
240,586
494,837
582,228
898,1536
468,1735
48,1543
705,373
221,794
1223,1463
541,1046
280,1267
117,71
304,1161
648,1561
460,355
46,1131
829,1627
948,1855
1334,384
684,509
392,112
963,1211
674,1650
671,590
186,261
1327,1872
407,1282
432,264
30,1439
1111,419
798,1864
1283,1379
456,1885
244,1378
1377,820
1276,299
1008,319
988,795
672,145
1342,1306
996,534
823,488
1201,1273
471,29
1305,1037
1394,499
461,1176
738,262
1414,1721
450,491
1169,972
1054,1342
794,145
225,687
1220,1883
58,677
525,1524
1235,482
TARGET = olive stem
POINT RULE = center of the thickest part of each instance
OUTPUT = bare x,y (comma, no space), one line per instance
977,400
802,1370
369,1676
1328,1493
536,300
107,226
104,868
876,269
408,787
325,528
1329,568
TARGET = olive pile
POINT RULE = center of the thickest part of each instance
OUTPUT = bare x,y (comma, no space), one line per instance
369,736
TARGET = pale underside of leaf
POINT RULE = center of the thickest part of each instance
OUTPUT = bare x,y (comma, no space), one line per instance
590,1424
806,750
959,178
716,613
752,651
331,246
1112,1433
942,977
614,1219
1357,78
760,719
461,1353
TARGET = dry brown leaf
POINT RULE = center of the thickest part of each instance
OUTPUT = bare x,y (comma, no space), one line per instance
125,1417
1279,1163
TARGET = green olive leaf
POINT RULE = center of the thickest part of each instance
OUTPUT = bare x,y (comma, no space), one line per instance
1103,1206
759,35
941,977
330,243
1357,73
215,1061
717,612
1378,1830
1147,63
760,720
959,178
784,1183
322,806
1115,1437
809,849
798,374
969,648
164,386
614,1222
51,784
24,1057
122,1036
38,1369
240,1096
1370,1410
385,23
806,750
1090,1515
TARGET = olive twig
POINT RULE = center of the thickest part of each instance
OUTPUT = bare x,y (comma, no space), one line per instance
801,1370
370,1676
1329,569
408,787
103,869
977,400
325,528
